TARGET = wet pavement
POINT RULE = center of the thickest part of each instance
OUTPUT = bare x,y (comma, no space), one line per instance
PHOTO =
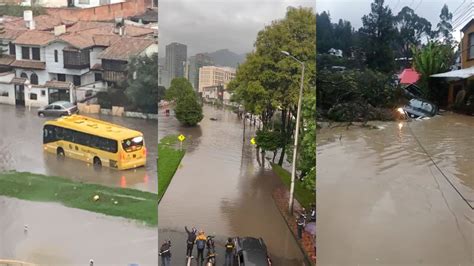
221,189
59,236
21,150
382,200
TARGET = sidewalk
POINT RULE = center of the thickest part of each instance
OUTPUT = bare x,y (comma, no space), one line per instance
308,242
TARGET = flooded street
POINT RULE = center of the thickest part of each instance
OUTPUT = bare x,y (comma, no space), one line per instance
64,236
382,200
21,150
221,189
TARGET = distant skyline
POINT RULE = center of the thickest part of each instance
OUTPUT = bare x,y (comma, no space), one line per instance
353,10
211,25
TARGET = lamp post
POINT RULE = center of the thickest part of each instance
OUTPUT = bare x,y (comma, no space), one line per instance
297,129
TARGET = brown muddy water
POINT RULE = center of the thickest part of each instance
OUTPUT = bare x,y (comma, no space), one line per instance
382,200
59,236
21,150
221,189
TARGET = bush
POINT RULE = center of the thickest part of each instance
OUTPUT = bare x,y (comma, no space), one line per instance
188,110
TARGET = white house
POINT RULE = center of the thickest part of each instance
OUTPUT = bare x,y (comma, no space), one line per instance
7,88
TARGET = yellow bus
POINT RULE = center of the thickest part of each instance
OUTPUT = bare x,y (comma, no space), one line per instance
94,141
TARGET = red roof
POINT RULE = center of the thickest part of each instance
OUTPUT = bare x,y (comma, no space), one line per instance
409,76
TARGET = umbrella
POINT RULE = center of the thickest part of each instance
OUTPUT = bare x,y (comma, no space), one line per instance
311,228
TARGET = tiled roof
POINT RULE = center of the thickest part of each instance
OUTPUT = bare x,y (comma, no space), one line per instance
6,60
134,31
34,37
29,64
18,81
149,16
105,40
125,48
80,41
87,25
11,34
58,84
42,23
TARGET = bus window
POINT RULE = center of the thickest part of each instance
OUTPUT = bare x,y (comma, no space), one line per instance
132,144
49,134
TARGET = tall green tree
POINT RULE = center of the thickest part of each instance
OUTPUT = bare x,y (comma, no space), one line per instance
188,110
268,81
378,34
343,34
411,29
179,88
444,30
324,32
434,58
142,83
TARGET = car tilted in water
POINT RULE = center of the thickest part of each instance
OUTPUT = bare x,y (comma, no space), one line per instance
251,251
419,108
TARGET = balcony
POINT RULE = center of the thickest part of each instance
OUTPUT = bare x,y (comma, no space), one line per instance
76,59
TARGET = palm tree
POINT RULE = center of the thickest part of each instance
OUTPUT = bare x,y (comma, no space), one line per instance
433,58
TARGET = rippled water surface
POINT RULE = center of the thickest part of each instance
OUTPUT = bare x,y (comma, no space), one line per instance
401,194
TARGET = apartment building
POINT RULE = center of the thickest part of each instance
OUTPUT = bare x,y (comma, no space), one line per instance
211,76
52,59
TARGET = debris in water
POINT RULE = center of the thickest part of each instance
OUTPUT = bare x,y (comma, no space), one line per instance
115,202
25,228
91,262
96,197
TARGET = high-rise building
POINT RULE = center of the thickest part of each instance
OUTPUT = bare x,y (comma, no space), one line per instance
176,57
214,76
195,63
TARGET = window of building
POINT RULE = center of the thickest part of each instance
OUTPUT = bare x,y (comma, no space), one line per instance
84,2
56,56
33,96
43,92
77,80
98,76
61,77
24,75
36,53
4,93
471,46
25,52
34,79
12,48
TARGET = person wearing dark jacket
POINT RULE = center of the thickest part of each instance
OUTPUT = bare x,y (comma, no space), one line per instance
229,252
300,223
190,241
165,253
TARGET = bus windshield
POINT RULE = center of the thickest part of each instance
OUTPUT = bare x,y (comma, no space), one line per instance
132,144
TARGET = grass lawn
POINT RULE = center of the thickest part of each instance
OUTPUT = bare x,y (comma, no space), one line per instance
169,159
127,203
304,196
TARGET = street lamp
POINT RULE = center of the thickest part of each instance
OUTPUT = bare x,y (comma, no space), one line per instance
297,129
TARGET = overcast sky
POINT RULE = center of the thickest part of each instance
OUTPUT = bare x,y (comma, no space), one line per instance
353,10
210,25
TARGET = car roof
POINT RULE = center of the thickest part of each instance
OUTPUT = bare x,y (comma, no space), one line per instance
61,103
254,251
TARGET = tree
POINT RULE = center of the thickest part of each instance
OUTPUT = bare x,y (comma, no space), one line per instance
445,29
378,34
188,110
324,32
343,34
142,83
269,81
411,29
179,87
434,58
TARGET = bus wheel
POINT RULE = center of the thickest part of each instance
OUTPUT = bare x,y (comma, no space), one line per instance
60,152
97,161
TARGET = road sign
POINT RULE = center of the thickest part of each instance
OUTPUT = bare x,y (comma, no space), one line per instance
181,137
253,141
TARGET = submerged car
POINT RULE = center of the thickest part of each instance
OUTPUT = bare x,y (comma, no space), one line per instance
61,108
419,108
251,251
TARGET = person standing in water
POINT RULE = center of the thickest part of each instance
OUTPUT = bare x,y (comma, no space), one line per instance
200,245
190,241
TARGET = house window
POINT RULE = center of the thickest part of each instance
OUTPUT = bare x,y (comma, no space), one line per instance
25,52
34,79
471,46
43,93
12,48
24,75
4,93
84,2
77,80
98,76
56,56
61,77
36,53
33,96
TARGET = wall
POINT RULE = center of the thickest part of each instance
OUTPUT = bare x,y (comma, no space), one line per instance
43,75
52,3
41,101
102,13
58,67
10,89
93,3
465,48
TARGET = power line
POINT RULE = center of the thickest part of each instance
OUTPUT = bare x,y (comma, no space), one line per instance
462,18
418,5
459,7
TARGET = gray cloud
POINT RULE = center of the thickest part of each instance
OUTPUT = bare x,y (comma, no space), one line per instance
209,25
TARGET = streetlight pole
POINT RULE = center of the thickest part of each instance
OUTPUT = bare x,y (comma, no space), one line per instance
297,130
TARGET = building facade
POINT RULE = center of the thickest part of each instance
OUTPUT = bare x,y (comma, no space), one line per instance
212,76
175,61
195,63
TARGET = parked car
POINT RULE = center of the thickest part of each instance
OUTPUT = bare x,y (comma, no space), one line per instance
61,108
419,108
251,251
